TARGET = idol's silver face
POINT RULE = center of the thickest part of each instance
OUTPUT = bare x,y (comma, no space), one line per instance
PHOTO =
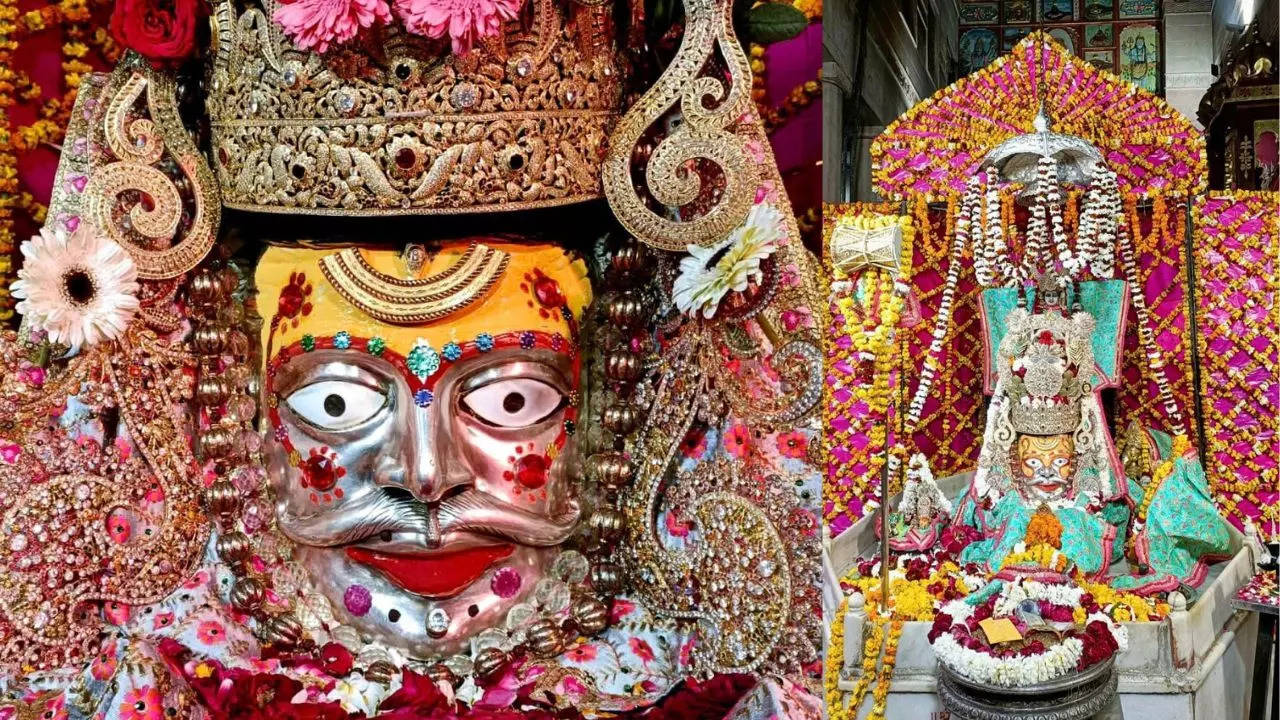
423,523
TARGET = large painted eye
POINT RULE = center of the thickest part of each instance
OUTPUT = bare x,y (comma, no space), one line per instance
336,404
1059,462
517,402
1034,463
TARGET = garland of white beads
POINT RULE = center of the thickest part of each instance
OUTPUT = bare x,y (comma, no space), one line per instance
969,230
931,360
1104,217
1147,337
1004,272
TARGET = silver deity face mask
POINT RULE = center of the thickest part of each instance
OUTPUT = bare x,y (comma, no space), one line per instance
425,483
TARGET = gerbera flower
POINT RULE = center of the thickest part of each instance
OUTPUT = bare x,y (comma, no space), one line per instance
464,21
80,289
708,273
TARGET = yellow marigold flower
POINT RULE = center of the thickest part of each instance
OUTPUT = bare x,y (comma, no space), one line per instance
1121,614
1078,616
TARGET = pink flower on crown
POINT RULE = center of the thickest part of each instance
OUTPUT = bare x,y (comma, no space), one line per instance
315,24
464,21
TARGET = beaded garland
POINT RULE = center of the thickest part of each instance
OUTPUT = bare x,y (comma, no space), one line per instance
1153,148
1159,248
1236,246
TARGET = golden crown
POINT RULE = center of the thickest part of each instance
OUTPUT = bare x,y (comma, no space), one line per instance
395,124
1047,360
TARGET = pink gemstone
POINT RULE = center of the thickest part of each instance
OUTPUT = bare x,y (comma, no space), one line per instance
10,453
358,600
505,583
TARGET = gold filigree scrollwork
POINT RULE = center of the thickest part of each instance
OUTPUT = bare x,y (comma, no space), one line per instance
152,161
82,523
710,110
741,575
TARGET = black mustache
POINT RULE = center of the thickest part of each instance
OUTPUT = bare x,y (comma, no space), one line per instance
386,510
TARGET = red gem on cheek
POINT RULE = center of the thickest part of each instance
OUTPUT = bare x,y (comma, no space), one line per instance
320,472
548,292
531,471
290,301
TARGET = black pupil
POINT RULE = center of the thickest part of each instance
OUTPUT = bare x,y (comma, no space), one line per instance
402,71
394,615
513,402
79,286
335,405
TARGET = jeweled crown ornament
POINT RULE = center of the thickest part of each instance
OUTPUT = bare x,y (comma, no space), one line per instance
398,125
1047,363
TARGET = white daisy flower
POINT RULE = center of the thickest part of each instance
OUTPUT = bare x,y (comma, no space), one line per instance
79,288
709,273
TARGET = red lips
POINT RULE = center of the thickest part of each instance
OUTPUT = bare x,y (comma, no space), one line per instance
433,575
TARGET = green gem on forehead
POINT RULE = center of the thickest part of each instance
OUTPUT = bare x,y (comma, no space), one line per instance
308,342
376,345
423,360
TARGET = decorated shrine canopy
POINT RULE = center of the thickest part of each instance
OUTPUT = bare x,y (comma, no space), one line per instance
936,146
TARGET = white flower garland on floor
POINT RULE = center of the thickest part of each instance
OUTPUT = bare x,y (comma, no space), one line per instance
1057,660
1012,671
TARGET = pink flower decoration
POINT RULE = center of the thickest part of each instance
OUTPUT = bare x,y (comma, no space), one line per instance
142,703
464,21
104,663
737,441
211,632
640,647
583,653
796,318
621,608
315,24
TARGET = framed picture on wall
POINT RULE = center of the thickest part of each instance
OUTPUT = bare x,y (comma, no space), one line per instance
1102,35
1101,59
979,47
980,13
1057,10
1099,9
1139,9
1068,37
1011,37
1018,11
1139,55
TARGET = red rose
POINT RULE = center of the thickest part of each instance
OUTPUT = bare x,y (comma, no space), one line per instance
941,624
162,30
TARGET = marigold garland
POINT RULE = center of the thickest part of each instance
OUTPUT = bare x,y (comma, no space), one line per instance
865,310
835,660
72,19
1040,554
1044,529
1235,234
8,160
1142,136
